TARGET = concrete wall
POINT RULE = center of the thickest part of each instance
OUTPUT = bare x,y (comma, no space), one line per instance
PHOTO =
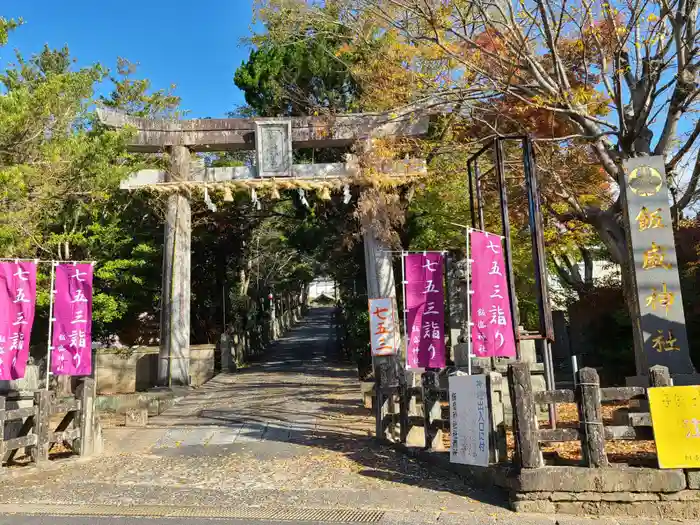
136,370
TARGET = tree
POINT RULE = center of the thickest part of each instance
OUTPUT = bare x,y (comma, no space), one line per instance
298,79
6,27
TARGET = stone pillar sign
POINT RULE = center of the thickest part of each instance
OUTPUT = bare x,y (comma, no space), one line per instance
661,316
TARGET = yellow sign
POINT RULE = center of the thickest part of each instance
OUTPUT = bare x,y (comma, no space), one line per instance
675,415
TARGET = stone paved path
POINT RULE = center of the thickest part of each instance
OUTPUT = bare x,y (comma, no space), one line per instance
287,432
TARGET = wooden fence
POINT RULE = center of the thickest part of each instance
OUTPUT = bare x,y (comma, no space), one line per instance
75,429
591,430
425,407
401,409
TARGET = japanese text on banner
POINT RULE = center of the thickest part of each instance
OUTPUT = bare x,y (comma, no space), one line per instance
425,310
382,325
492,326
71,344
17,306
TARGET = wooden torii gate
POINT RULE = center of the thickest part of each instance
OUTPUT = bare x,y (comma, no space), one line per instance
274,141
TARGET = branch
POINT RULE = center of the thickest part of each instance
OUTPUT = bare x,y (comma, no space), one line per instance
685,148
565,276
587,265
690,190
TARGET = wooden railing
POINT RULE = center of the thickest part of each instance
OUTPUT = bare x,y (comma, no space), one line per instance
591,430
425,407
75,429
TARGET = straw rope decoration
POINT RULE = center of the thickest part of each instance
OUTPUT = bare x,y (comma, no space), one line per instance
273,186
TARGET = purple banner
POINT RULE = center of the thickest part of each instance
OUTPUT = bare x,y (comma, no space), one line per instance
71,344
17,304
492,325
425,310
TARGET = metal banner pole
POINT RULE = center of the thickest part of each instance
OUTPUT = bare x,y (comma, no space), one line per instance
51,320
505,220
472,209
405,310
449,354
469,305
549,375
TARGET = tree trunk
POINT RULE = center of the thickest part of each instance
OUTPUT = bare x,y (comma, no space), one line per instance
614,236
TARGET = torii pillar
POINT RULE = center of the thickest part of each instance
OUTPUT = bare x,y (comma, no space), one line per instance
387,369
174,354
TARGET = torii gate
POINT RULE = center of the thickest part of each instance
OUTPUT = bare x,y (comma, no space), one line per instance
273,140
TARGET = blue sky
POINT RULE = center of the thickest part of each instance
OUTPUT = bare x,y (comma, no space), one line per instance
195,45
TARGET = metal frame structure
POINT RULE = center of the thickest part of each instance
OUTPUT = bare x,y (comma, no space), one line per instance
476,201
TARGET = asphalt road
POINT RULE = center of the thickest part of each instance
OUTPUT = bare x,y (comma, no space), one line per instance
52,520
387,520
390,519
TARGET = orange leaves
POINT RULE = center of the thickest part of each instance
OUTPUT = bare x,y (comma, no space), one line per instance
515,115
343,49
604,35
491,40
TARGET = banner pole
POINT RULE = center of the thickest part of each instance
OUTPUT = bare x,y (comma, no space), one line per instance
469,306
405,325
48,344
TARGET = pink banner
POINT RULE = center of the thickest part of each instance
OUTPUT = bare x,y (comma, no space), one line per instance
492,328
71,344
17,303
425,310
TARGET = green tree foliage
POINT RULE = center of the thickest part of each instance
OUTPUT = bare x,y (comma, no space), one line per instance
136,97
301,77
7,26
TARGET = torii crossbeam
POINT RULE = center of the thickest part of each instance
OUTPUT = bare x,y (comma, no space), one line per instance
273,140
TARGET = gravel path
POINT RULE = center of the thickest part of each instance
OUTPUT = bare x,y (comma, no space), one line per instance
289,431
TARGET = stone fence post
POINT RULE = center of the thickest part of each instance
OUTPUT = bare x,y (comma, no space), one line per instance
2,430
432,410
86,395
494,388
659,376
524,416
225,346
591,417
42,399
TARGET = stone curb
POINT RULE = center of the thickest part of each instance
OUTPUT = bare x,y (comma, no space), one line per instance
497,480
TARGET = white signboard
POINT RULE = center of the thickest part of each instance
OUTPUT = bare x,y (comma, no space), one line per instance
383,327
469,420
